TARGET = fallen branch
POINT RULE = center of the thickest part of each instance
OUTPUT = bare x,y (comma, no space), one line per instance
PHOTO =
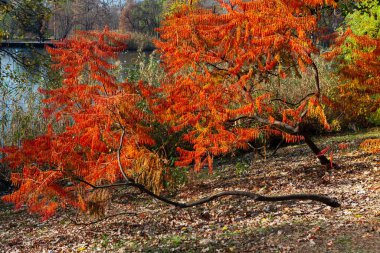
314,197
320,198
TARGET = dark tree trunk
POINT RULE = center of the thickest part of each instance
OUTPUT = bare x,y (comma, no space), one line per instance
322,158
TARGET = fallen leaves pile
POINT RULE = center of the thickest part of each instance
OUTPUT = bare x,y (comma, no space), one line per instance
231,224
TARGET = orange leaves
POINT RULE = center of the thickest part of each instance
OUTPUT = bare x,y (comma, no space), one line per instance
258,27
371,145
359,59
213,95
315,110
216,62
35,189
289,138
92,107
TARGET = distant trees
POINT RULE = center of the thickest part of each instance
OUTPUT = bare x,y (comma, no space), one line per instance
142,16
24,18
85,15
59,18
56,18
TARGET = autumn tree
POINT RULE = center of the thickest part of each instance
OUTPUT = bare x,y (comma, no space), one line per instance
222,63
356,54
103,138
89,105
24,17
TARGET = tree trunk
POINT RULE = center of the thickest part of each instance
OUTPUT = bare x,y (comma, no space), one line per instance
322,158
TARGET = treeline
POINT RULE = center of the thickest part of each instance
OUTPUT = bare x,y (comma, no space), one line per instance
57,19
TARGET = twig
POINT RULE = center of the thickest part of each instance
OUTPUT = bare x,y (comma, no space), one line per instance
118,155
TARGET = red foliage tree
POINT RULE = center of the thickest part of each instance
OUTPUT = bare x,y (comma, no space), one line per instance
358,60
357,56
218,65
97,112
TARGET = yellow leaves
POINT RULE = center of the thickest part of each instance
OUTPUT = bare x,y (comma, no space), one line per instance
148,169
316,111
82,248
81,203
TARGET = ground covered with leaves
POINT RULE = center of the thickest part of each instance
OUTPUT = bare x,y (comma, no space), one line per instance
141,224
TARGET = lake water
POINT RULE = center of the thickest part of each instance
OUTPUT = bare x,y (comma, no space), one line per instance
19,87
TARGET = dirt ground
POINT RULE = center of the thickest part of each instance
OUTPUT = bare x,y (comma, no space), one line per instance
231,224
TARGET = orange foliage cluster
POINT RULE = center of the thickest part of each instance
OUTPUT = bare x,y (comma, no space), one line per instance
94,106
359,95
215,63
371,145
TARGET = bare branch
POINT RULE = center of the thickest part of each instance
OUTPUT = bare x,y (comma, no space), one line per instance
277,123
118,155
294,104
320,198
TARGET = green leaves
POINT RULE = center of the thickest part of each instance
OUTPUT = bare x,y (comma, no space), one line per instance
365,20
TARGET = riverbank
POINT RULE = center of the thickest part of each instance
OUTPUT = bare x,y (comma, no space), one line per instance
136,42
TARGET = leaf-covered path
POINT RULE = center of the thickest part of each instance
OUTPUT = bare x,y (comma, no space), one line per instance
231,224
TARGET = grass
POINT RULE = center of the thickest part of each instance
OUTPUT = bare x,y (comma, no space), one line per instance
346,137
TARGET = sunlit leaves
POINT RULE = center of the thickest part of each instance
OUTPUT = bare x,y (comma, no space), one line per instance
217,60
92,107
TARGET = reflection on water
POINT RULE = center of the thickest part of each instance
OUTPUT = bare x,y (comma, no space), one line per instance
25,70
22,73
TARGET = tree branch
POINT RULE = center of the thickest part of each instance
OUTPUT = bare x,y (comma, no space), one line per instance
319,198
130,183
118,155
283,125
293,104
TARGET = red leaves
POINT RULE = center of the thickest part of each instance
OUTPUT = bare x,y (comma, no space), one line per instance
90,108
358,57
323,151
343,146
216,63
